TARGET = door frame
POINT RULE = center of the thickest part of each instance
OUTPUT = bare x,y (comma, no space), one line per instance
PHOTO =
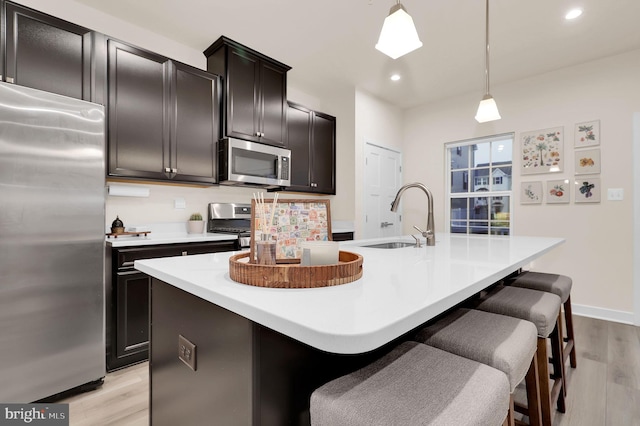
367,143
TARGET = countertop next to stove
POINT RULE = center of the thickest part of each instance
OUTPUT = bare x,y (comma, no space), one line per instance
166,233
176,233
175,238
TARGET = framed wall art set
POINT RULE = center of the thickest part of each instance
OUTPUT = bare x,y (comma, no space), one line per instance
542,152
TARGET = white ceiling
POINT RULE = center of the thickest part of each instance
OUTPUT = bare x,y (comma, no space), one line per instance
331,42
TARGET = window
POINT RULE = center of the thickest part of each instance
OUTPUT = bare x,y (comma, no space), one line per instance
479,187
482,181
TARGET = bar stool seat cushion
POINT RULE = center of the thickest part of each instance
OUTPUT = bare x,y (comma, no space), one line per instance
505,343
539,307
551,283
414,384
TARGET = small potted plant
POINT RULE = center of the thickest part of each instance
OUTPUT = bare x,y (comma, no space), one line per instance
195,225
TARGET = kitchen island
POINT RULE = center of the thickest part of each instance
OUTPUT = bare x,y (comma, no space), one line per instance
260,352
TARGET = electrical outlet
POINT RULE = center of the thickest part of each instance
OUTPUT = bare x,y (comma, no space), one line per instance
179,203
187,352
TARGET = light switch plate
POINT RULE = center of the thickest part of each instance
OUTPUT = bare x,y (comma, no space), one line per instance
187,352
615,194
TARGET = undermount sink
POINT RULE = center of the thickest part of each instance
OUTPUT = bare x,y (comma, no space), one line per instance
391,245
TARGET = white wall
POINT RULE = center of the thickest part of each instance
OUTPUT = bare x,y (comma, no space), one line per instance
379,123
599,244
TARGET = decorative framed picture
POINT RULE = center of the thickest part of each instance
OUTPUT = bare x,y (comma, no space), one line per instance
531,193
294,221
558,191
587,190
587,134
542,151
587,161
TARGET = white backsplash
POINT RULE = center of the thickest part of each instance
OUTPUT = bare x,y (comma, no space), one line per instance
158,209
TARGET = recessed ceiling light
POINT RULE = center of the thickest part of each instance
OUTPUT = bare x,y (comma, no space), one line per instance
395,77
573,14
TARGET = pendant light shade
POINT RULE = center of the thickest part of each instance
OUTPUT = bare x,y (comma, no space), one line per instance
487,110
398,36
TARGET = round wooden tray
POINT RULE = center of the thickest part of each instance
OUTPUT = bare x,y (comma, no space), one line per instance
290,275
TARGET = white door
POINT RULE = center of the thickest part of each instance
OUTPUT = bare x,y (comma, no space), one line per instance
383,179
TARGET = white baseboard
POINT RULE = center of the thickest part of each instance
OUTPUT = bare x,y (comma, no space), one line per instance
603,313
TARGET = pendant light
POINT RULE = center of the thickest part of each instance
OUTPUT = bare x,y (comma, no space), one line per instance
398,35
487,110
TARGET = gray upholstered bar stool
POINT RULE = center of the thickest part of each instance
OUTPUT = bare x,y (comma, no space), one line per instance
505,343
543,310
557,284
414,384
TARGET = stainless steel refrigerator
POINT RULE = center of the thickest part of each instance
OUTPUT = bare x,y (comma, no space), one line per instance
52,195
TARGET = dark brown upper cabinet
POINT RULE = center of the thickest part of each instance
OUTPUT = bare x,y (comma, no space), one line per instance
45,52
138,96
254,92
194,124
163,117
312,141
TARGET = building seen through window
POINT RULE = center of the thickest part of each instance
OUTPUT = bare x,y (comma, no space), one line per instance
480,182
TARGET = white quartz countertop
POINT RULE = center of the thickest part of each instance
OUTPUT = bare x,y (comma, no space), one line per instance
166,238
400,288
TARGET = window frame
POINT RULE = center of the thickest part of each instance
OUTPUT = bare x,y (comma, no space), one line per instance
470,195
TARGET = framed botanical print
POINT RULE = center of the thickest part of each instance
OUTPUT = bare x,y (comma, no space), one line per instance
587,134
531,193
542,151
587,161
587,190
558,191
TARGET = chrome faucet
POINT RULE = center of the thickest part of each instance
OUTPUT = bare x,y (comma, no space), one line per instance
429,233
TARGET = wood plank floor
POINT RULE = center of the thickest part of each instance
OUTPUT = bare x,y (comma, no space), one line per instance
603,391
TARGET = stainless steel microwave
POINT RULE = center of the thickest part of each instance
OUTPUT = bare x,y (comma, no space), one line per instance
253,164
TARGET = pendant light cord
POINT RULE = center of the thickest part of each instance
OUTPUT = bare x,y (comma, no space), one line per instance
486,56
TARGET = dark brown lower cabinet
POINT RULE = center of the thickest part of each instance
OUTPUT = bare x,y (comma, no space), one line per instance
342,236
127,298
132,315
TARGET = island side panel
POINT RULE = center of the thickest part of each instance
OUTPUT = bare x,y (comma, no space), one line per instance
246,374
288,372
219,392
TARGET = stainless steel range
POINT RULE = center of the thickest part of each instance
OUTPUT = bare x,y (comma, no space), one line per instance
231,218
